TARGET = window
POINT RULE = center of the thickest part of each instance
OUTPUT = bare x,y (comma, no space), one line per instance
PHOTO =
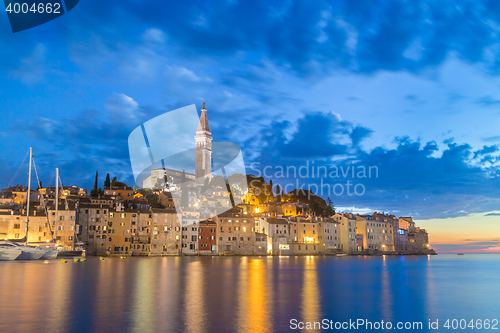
17,226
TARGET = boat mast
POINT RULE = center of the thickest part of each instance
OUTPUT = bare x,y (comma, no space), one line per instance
57,204
28,199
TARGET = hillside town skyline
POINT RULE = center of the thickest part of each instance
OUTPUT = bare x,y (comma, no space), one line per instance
212,215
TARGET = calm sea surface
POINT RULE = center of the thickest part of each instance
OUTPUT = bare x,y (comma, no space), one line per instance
244,294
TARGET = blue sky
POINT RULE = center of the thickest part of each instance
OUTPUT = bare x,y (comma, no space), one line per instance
409,86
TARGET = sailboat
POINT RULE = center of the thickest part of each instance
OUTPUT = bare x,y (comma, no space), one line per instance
74,252
28,252
9,252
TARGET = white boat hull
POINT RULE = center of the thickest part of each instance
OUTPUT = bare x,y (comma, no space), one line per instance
9,254
49,255
31,254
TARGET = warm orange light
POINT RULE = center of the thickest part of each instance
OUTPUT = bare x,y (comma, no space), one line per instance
257,209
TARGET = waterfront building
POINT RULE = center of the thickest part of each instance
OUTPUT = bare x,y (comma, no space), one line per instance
236,232
377,232
93,222
305,235
166,232
260,244
119,231
13,225
347,226
418,239
329,235
141,233
64,227
279,235
401,235
207,237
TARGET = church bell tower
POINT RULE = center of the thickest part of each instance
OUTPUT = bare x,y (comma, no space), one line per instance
203,148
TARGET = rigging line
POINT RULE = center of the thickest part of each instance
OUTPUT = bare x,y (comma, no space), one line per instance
36,173
65,199
43,202
20,165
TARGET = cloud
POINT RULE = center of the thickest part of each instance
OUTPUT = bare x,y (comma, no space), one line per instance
492,214
487,101
410,178
122,108
311,38
154,35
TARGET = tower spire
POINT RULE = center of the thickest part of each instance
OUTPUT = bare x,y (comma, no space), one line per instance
203,147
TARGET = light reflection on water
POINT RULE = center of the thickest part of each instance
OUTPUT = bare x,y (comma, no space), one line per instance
243,294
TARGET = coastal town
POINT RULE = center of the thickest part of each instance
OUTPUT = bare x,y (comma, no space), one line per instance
122,222
212,215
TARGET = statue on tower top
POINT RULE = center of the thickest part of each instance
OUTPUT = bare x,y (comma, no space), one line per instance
203,106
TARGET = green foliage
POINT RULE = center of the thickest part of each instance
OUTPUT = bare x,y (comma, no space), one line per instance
95,182
97,193
107,182
317,204
154,201
114,181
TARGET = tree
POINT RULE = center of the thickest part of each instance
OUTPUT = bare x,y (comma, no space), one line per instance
134,188
330,210
154,201
114,181
184,192
107,182
94,193
278,193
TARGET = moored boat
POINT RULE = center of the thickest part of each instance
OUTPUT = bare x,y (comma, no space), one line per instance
9,253
27,252
49,255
